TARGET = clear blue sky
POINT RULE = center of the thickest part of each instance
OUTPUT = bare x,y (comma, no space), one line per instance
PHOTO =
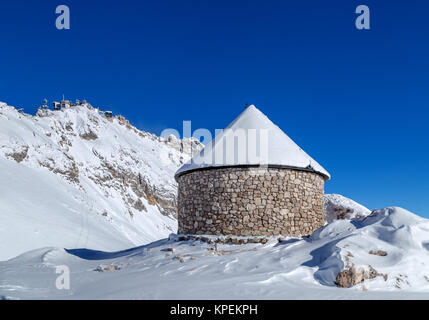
357,101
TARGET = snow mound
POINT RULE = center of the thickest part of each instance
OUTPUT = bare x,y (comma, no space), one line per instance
338,207
394,217
390,245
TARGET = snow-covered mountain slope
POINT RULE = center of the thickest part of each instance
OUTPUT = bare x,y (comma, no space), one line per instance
384,256
74,178
338,207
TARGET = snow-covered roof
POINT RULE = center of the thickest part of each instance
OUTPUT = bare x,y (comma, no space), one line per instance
252,130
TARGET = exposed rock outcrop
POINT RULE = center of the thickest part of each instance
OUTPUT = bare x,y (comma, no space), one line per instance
338,207
352,276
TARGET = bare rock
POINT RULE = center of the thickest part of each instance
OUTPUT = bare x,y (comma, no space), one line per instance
89,135
351,276
380,253
19,156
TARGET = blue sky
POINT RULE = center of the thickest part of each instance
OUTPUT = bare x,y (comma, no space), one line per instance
355,100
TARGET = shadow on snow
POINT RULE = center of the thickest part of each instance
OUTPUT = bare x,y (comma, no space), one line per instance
89,254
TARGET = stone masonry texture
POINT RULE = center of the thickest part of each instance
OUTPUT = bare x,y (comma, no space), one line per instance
250,201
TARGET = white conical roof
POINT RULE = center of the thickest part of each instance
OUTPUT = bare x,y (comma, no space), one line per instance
253,131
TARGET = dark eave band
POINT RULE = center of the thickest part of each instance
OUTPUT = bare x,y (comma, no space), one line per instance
269,166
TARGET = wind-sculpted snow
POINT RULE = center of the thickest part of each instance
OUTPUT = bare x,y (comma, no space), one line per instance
389,248
75,178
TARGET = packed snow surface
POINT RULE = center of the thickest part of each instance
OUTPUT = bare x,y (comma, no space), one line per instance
276,150
295,268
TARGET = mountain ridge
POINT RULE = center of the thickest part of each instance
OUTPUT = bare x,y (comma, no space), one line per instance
116,176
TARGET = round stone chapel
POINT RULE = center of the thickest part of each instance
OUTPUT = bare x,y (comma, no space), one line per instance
251,180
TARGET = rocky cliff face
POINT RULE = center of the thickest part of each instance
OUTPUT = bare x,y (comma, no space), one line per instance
120,174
